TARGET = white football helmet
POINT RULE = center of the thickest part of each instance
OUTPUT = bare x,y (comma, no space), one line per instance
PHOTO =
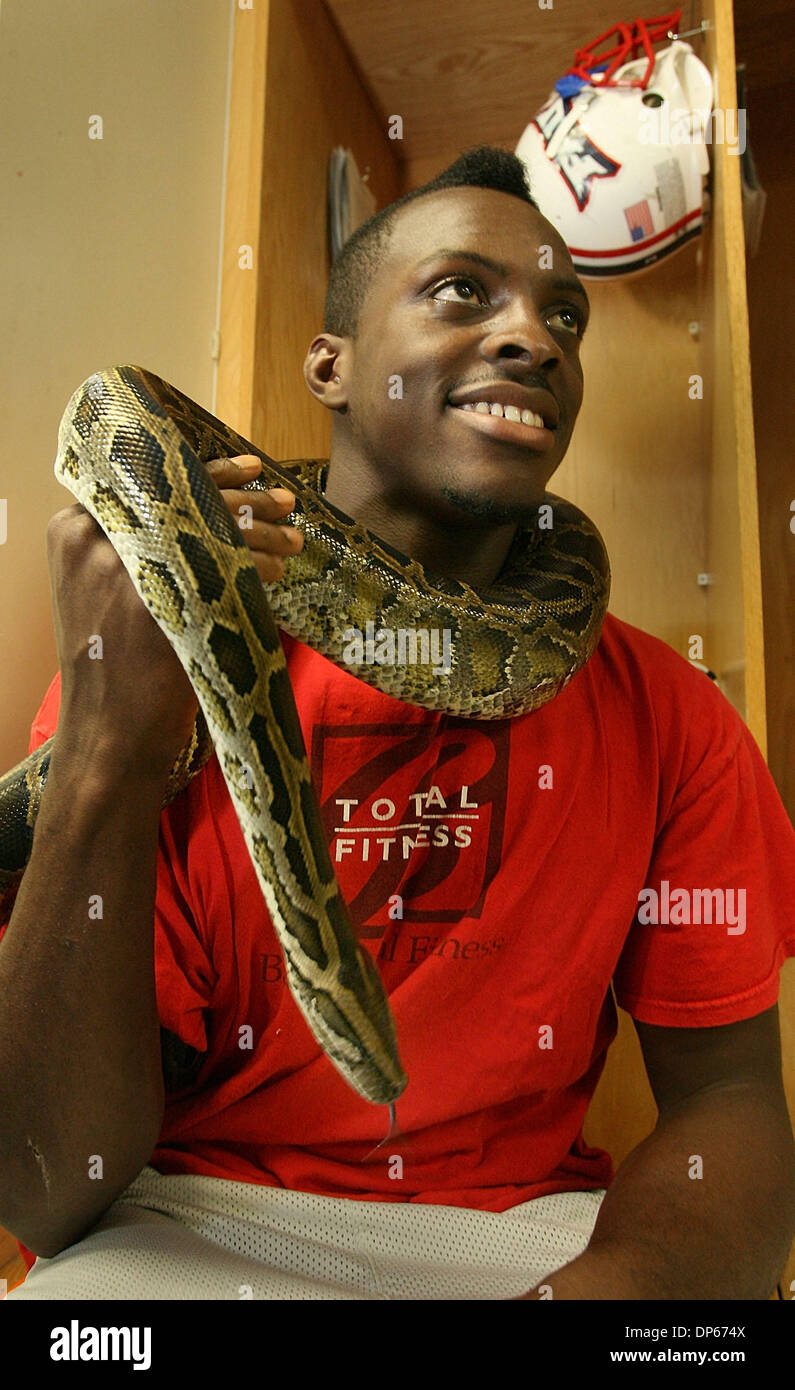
617,164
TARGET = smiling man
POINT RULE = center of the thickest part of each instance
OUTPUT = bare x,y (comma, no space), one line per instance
484,415
493,867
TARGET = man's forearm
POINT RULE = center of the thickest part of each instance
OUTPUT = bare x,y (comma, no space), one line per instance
80,1075
704,1208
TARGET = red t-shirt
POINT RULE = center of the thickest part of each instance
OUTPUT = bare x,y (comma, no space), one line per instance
517,850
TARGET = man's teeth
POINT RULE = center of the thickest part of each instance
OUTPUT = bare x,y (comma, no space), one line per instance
507,412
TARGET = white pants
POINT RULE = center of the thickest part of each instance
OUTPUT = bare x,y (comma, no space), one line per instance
189,1237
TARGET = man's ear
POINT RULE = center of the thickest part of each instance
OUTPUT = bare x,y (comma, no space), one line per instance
326,369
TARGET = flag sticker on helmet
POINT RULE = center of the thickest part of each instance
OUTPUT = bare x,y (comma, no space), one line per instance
639,220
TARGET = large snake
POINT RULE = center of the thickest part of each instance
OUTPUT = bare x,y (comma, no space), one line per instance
132,450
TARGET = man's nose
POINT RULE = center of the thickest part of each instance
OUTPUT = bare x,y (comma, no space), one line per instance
521,331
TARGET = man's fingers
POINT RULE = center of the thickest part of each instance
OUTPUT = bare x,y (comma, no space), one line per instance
269,567
257,513
232,472
276,540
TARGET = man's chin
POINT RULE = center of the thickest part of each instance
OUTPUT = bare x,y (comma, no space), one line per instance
496,511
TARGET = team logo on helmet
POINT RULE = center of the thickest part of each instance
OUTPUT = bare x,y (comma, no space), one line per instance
577,157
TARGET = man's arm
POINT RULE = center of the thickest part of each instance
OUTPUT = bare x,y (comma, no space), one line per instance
80,1073
80,1061
704,1208
80,1076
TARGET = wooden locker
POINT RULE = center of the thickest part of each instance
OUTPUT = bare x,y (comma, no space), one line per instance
670,482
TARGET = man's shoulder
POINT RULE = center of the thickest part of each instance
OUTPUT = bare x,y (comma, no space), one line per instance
651,665
620,640
641,684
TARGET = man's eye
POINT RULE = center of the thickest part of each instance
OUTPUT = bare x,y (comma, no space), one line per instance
463,287
454,282
579,319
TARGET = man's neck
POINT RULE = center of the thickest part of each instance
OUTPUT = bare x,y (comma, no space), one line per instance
468,549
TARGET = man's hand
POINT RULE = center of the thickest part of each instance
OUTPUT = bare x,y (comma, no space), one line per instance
268,541
126,702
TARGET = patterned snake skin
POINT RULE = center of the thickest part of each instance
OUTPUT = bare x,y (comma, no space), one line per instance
131,449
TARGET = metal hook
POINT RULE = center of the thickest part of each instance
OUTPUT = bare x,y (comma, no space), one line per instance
702,29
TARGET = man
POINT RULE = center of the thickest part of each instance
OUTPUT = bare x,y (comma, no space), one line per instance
495,868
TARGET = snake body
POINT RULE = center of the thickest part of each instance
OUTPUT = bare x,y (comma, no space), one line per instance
132,450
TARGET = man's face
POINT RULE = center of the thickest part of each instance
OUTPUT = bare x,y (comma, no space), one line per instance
450,326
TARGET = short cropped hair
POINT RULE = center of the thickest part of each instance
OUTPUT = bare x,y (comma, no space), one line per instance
363,253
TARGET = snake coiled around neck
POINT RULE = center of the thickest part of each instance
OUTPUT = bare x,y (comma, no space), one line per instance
132,449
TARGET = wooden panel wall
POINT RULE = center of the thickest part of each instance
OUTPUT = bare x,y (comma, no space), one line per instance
735,598
243,204
290,71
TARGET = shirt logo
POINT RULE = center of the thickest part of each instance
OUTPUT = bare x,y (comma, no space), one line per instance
413,809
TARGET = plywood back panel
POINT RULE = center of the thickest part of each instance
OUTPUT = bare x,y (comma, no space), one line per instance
636,460
292,71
